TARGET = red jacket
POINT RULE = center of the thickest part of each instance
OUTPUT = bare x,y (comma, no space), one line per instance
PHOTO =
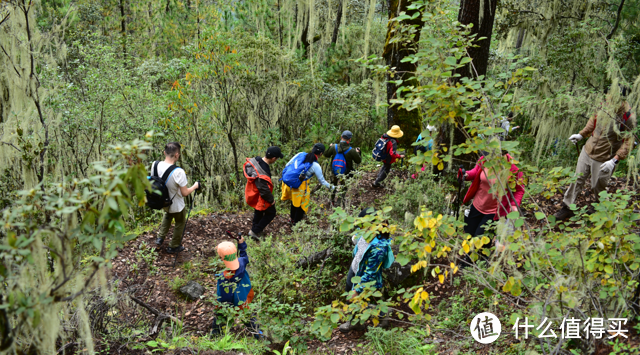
251,192
391,147
507,201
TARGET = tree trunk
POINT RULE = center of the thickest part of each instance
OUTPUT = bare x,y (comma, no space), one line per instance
336,28
123,25
470,14
409,121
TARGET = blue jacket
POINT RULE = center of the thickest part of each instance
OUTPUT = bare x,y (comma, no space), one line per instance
315,169
236,288
377,256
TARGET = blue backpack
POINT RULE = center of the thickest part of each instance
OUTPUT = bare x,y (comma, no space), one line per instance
295,173
379,151
339,163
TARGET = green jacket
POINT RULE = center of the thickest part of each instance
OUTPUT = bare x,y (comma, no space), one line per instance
352,156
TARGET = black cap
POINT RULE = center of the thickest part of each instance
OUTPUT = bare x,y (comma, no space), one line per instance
274,152
318,148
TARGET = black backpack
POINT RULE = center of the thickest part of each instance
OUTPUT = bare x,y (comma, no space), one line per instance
158,197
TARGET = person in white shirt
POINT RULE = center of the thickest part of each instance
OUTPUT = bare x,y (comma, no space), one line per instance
506,125
177,186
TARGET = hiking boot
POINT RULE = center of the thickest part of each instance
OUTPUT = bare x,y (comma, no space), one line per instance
564,213
347,327
159,241
255,236
377,185
175,250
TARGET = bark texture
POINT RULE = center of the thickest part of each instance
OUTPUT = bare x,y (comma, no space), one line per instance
409,121
470,14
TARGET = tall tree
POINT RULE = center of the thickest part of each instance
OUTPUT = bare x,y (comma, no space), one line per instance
396,48
481,14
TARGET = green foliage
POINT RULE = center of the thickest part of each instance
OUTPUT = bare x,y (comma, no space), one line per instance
49,231
400,341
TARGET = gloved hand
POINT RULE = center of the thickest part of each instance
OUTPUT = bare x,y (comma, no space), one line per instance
575,138
199,186
608,166
461,173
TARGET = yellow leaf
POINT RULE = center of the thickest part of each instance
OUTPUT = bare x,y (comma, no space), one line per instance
441,278
424,295
466,248
427,248
452,114
440,166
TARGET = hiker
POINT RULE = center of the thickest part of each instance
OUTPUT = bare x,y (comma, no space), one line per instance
369,259
302,167
485,206
423,149
386,151
176,184
234,285
343,157
506,125
259,190
428,146
608,143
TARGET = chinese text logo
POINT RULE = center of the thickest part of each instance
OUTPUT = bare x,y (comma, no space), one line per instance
485,328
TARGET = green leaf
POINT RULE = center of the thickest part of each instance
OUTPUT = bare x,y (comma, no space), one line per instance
112,203
518,223
335,317
450,61
402,259
513,215
608,269
539,215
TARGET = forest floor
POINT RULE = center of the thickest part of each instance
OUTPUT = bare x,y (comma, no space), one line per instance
156,281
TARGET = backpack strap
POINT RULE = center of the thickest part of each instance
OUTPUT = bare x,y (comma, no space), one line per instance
154,169
347,151
167,173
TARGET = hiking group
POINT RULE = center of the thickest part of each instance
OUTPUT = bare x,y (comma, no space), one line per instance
610,141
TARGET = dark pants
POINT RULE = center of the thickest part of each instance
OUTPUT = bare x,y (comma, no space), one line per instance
350,275
297,214
475,224
261,219
384,171
337,181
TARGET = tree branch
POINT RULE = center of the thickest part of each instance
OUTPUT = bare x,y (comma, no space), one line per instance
615,26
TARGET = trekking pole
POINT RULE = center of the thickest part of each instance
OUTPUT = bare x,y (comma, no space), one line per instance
461,173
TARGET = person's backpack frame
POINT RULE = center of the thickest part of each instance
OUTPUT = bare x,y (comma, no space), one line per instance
159,184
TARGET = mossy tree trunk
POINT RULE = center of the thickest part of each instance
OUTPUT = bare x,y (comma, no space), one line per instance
470,13
409,121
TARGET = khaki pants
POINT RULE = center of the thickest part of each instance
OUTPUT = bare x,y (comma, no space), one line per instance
587,167
178,230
